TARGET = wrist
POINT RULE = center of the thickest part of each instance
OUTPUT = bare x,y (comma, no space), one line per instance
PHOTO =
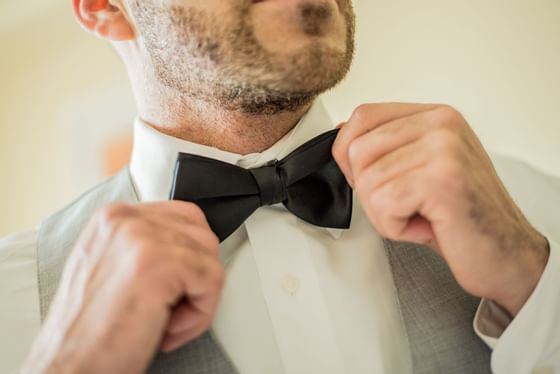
522,275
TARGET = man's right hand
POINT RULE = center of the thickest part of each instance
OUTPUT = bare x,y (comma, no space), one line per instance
140,278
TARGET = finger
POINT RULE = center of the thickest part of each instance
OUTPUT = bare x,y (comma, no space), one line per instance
188,235
178,217
418,230
370,147
187,322
172,272
392,165
171,342
398,204
185,317
202,280
429,147
200,274
366,118
181,210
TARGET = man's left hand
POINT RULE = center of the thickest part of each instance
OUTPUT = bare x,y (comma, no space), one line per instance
423,176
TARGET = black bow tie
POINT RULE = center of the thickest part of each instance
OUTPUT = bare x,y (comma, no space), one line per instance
308,182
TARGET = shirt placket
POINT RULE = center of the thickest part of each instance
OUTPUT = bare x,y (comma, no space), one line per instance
292,292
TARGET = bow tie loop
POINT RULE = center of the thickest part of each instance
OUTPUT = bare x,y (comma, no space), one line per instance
270,182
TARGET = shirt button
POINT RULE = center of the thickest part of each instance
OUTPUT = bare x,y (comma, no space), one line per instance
291,285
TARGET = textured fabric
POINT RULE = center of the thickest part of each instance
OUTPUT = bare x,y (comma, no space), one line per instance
355,279
344,307
202,356
435,310
308,182
56,239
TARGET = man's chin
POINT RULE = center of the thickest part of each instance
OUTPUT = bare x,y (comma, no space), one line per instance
268,104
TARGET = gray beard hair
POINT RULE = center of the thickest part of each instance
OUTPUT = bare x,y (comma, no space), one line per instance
225,66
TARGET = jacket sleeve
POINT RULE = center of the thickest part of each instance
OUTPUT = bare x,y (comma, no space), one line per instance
19,300
529,343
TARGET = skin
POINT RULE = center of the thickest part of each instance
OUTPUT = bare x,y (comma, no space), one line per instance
270,63
121,294
148,277
423,177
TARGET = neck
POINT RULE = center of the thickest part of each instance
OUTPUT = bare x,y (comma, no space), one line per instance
203,123
180,116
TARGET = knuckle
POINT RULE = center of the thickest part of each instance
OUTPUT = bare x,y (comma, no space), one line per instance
362,111
210,239
355,150
217,271
447,112
446,115
399,192
445,143
201,270
210,271
140,259
450,173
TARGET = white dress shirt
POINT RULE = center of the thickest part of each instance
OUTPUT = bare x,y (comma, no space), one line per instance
301,299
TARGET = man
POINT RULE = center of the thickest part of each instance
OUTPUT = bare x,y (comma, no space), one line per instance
223,88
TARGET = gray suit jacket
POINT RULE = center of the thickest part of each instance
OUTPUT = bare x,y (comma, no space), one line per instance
437,313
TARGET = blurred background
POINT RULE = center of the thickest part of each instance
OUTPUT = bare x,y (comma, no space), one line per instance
66,110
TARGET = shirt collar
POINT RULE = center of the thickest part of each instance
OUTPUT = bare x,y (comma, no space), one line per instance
154,154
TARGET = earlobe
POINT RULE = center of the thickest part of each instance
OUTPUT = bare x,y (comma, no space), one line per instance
104,19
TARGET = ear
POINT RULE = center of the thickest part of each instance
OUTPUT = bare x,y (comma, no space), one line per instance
104,18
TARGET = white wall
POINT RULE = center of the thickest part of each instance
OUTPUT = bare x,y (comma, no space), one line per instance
53,78
497,61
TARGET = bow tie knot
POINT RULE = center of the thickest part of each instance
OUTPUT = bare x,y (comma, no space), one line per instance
270,182
307,181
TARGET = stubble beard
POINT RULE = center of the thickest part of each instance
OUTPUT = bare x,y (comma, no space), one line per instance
224,65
